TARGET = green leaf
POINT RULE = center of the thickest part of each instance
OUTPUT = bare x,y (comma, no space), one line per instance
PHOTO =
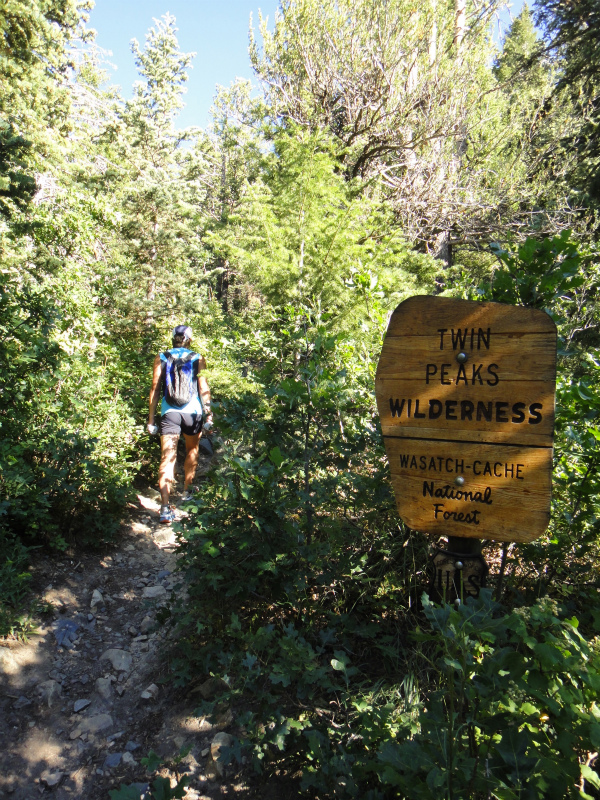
161,789
589,775
276,456
152,761
125,793
595,735
529,709
452,662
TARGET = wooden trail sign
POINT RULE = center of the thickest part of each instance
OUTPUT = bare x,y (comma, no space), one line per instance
465,393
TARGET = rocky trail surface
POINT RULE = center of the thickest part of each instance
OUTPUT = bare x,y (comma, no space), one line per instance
82,701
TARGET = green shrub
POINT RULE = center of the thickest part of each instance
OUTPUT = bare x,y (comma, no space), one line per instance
513,713
54,490
14,583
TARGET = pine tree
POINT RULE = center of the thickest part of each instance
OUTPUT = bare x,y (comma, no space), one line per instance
408,94
156,190
571,35
303,231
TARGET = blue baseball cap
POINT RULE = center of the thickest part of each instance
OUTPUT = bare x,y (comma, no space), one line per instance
182,330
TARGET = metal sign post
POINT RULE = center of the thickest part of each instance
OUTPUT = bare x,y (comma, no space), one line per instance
465,393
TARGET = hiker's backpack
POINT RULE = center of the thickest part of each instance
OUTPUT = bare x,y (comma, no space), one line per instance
180,379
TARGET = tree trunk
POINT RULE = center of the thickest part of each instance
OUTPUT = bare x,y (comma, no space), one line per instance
460,24
433,34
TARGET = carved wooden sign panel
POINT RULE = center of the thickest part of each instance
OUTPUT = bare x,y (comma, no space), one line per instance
465,393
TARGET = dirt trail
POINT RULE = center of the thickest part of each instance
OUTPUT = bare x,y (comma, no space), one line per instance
82,702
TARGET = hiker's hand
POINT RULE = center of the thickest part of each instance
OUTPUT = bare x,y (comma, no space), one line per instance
208,424
152,429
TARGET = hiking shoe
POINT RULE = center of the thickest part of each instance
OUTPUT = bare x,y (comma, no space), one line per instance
167,515
190,494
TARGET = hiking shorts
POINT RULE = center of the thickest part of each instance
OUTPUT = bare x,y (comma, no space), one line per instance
174,422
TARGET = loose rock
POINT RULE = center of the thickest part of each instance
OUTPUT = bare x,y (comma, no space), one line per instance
219,743
103,687
79,705
212,688
65,632
8,663
97,599
150,693
49,692
154,592
100,722
51,779
146,625
121,660
128,760
111,761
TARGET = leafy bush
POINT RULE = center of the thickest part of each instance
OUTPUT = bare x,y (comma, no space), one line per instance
14,584
296,566
514,710
53,489
303,587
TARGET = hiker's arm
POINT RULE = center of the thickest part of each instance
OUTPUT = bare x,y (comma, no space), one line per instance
204,393
155,390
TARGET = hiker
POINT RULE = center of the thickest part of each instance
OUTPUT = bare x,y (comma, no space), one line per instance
185,408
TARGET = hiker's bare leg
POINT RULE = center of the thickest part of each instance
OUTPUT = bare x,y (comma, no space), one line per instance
166,471
191,459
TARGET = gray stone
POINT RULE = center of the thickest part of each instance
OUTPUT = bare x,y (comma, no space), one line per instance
164,573
112,760
51,779
212,687
218,744
121,660
96,724
97,599
154,593
49,691
131,746
65,632
150,693
103,687
146,625
128,760
21,702
79,705
132,631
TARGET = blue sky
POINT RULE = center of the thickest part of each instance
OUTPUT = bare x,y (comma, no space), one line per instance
216,30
